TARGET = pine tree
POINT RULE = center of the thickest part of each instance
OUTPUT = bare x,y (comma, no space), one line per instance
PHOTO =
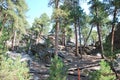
98,14
13,17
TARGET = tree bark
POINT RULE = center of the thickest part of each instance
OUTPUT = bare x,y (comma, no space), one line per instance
112,38
13,41
100,40
76,39
99,35
56,28
88,35
87,38
113,30
56,37
63,37
80,38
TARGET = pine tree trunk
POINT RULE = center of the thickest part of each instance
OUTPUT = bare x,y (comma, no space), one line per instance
63,37
13,41
56,37
100,40
85,41
56,28
99,35
76,39
112,38
113,30
80,38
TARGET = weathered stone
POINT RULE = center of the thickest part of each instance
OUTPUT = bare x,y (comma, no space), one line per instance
14,55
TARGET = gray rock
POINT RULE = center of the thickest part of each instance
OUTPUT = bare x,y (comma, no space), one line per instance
14,55
25,57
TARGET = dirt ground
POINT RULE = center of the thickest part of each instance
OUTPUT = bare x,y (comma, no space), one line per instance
40,70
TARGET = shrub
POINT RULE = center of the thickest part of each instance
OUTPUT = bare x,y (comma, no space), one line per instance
57,70
105,73
13,69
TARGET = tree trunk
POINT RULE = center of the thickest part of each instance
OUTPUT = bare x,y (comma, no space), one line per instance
13,41
99,35
87,37
100,40
112,38
56,37
56,28
76,39
80,38
113,30
63,37
85,41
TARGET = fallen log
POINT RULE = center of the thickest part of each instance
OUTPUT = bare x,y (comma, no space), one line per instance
76,74
72,69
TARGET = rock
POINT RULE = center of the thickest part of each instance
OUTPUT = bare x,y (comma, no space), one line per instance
35,77
116,64
25,57
14,55
95,68
70,43
70,60
60,54
98,54
61,47
88,49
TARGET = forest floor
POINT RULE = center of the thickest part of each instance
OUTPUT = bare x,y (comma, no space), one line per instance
40,70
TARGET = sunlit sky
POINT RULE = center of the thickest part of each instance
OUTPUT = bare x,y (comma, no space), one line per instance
37,7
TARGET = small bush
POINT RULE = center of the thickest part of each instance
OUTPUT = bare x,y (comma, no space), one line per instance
105,73
13,69
57,70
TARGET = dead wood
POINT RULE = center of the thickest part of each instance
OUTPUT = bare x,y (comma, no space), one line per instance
72,69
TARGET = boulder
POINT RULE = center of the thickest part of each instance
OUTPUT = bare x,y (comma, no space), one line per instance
14,55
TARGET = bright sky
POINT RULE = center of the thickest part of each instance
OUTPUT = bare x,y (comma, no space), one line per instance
37,7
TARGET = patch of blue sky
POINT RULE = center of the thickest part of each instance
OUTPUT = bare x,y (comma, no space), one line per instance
36,8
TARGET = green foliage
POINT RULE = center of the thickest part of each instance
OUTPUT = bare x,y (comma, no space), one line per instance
13,69
13,17
57,70
41,25
108,53
5,36
105,73
93,36
98,12
107,50
59,14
